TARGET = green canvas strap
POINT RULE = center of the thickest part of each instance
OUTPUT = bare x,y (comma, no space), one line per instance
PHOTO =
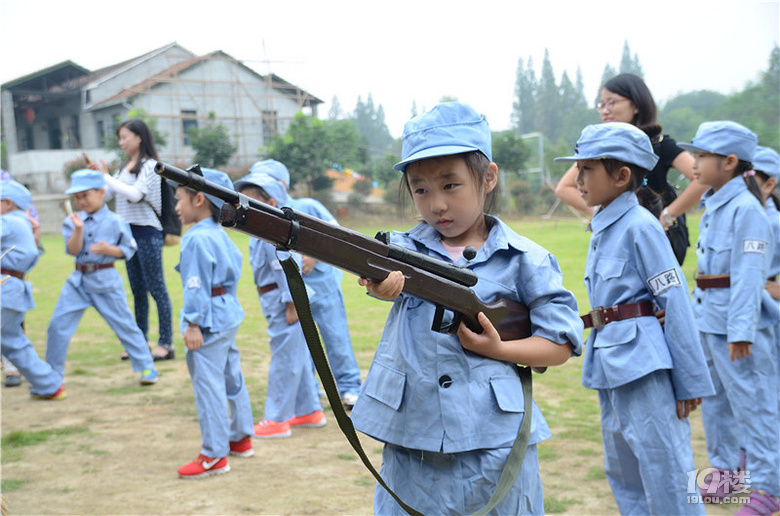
516,456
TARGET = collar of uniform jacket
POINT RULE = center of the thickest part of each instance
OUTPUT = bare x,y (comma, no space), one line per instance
725,194
500,239
605,217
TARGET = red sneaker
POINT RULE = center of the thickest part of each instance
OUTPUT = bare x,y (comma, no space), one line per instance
58,395
268,429
314,420
203,467
242,448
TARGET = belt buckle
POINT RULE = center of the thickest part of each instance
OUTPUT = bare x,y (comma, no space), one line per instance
595,317
90,267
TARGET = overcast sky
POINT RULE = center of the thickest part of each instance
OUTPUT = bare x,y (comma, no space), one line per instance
404,51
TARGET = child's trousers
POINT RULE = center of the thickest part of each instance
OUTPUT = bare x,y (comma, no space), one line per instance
112,306
744,410
647,449
456,483
218,384
17,348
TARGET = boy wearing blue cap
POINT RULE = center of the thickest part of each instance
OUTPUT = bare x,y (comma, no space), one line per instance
326,298
97,237
18,255
292,398
210,267
733,252
633,361
447,407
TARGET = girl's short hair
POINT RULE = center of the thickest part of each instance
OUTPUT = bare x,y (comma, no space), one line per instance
634,88
648,199
140,129
477,164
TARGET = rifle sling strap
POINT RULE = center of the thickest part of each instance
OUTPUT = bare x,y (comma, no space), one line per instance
516,456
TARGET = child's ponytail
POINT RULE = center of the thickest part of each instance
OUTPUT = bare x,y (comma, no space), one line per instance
647,197
745,169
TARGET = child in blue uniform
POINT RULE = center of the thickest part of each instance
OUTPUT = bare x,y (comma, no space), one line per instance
210,267
733,252
648,377
293,395
325,295
449,407
97,237
18,255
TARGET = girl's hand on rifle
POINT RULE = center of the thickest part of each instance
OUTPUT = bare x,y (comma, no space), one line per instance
387,289
488,343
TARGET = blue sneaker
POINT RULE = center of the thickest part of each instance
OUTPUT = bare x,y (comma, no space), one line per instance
149,376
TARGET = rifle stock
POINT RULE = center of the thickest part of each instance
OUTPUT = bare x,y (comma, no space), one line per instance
443,284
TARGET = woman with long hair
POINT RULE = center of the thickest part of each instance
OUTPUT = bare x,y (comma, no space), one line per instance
626,98
138,199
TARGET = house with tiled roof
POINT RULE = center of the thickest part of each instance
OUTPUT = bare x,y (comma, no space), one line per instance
51,115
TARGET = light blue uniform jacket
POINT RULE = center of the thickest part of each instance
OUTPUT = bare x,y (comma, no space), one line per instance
209,259
267,269
19,253
734,239
103,225
324,278
770,308
425,392
630,260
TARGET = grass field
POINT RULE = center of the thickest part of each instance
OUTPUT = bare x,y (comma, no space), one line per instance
571,462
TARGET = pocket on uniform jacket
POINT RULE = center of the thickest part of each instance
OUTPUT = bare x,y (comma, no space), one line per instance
508,392
615,334
387,385
609,268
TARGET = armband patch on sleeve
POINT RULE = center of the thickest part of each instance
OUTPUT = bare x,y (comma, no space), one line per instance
754,246
193,282
662,282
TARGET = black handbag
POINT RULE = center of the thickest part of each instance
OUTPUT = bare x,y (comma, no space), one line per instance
678,232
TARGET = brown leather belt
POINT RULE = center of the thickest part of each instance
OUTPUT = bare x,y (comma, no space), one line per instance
11,272
600,316
267,288
705,281
218,291
92,266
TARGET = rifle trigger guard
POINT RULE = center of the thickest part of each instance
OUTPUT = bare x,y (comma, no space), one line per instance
295,226
439,326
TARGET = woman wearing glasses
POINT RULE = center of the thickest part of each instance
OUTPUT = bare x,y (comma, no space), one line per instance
626,98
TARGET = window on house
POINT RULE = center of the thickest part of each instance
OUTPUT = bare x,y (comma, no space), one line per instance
28,140
74,137
270,127
101,133
55,133
188,119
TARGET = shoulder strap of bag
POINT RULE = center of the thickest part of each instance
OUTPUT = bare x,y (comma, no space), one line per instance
516,456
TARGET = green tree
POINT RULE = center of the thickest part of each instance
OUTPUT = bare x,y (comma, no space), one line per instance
311,146
335,112
523,107
509,151
548,102
212,143
112,141
630,64
370,122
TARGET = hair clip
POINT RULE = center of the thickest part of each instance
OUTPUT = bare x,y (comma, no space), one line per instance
644,181
749,173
